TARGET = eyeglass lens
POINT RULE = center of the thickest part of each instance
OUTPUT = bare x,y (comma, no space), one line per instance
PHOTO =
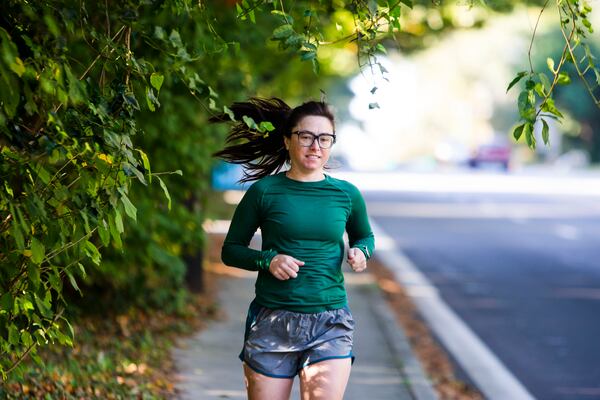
308,138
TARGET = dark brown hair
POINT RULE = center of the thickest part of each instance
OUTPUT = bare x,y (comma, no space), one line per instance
263,154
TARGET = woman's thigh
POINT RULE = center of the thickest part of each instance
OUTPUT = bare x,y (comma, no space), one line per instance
262,387
325,379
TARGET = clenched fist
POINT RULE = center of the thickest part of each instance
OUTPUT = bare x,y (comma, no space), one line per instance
284,267
357,259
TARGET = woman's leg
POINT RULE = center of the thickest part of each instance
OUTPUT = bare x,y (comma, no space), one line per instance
262,387
325,379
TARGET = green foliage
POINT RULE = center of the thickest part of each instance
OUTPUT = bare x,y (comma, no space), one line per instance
67,160
536,100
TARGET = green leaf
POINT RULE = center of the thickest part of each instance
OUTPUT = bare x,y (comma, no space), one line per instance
156,80
529,84
315,66
166,191
175,39
13,335
228,111
381,48
119,221
550,63
73,281
92,252
518,131
519,76
18,67
37,251
250,123
146,164
33,273
529,138
545,132
539,89
373,105
131,101
526,110
55,279
6,302
103,232
549,106
563,78
545,81
17,235
159,33
308,55
77,92
8,189
9,92
43,306
26,339
130,209
266,126
282,32
149,101
81,269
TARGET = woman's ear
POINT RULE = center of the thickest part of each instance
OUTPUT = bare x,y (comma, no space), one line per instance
286,142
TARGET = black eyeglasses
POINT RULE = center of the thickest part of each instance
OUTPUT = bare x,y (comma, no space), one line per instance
307,138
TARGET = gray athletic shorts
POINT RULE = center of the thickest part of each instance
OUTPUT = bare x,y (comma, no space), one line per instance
279,343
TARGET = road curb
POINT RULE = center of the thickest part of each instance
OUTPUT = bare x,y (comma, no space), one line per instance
488,373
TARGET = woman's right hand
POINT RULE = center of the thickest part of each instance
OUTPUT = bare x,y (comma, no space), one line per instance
284,267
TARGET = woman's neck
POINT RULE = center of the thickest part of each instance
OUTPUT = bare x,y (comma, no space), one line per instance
313,176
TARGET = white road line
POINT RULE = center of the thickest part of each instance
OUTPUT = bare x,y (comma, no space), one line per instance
492,378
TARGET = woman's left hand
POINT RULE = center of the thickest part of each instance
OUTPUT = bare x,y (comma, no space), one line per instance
357,260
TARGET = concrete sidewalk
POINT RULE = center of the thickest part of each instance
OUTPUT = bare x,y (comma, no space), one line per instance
385,368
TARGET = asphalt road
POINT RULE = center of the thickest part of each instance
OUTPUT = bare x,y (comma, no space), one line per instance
523,271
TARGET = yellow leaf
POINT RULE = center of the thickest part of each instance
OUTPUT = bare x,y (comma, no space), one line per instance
105,157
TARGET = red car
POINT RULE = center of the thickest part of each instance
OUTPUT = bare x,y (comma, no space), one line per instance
491,155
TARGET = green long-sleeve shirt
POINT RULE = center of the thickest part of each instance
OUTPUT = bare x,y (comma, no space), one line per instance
305,220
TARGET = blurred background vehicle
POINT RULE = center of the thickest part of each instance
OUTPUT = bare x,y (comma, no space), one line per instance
493,155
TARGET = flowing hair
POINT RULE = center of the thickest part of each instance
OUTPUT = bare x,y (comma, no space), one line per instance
263,154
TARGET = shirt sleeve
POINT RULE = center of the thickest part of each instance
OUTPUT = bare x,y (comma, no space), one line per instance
360,234
246,220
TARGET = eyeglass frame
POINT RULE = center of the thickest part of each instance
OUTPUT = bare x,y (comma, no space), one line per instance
315,137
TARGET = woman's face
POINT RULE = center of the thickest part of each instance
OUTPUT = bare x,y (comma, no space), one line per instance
312,159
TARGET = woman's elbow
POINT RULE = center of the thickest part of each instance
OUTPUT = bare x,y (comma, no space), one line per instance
226,255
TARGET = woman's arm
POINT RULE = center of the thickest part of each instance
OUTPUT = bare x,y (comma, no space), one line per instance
360,234
245,222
